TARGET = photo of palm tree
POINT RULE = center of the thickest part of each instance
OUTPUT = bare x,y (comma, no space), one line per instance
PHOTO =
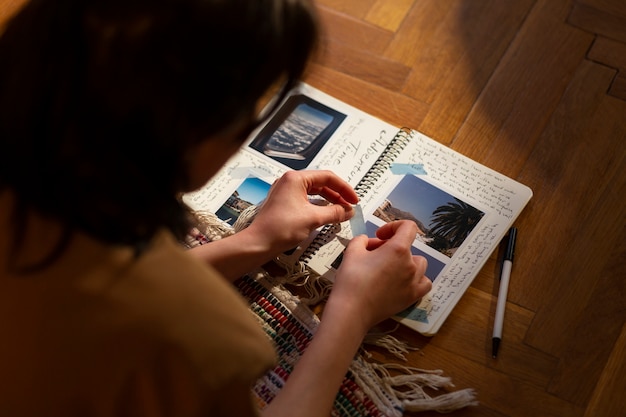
443,220
434,267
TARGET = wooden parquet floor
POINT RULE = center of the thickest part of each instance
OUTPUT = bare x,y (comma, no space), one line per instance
535,89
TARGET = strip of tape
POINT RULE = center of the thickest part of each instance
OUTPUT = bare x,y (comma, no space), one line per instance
357,222
404,169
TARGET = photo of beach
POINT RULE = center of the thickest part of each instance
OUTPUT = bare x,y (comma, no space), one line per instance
443,220
251,192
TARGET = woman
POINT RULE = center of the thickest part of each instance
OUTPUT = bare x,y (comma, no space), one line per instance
108,110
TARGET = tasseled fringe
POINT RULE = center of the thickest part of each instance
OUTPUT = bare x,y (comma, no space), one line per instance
396,347
245,218
406,391
212,226
317,289
393,394
409,388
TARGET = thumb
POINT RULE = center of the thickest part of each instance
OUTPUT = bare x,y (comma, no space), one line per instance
334,213
358,243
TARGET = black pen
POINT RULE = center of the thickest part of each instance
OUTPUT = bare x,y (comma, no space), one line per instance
505,276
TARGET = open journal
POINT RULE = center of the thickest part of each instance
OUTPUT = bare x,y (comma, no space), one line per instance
462,208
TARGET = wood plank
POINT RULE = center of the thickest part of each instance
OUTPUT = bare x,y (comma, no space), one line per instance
477,411
613,54
390,106
355,50
614,7
594,124
363,65
596,329
356,33
603,22
496,391
467,333
355,8
420,27
608,398
389,14
517,103
428,43
618,87
608,52
458,60
582,144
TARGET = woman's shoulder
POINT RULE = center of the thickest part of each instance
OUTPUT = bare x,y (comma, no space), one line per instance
188,303
97,323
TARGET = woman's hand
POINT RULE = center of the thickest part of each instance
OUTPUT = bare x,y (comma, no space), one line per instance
287,217
379,277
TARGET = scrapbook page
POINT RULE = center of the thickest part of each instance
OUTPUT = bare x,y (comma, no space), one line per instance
462,208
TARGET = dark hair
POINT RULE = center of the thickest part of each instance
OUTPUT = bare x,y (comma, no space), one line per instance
100,100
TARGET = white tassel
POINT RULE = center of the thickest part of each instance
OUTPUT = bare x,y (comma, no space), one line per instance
445,403
212,226
396,347
409,388
245,218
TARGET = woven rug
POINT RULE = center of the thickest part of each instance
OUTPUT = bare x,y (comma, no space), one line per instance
291,336
368,389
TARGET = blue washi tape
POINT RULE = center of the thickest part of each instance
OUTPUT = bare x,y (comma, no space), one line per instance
404,169
241,172
357,222
415,314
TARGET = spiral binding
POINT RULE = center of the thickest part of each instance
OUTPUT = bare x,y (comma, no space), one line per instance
382,164
384,161
323,237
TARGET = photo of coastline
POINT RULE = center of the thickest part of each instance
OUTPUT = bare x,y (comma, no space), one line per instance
251,192
434,265
444,221
298,131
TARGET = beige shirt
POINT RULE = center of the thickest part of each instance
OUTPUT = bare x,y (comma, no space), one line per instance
161,335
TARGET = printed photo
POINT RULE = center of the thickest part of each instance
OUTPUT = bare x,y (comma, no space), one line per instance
298,131
251,192
444,221
435,266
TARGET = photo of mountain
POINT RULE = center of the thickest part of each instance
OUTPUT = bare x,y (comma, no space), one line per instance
443,220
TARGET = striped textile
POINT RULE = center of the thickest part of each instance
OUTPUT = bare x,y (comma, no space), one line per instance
291,336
